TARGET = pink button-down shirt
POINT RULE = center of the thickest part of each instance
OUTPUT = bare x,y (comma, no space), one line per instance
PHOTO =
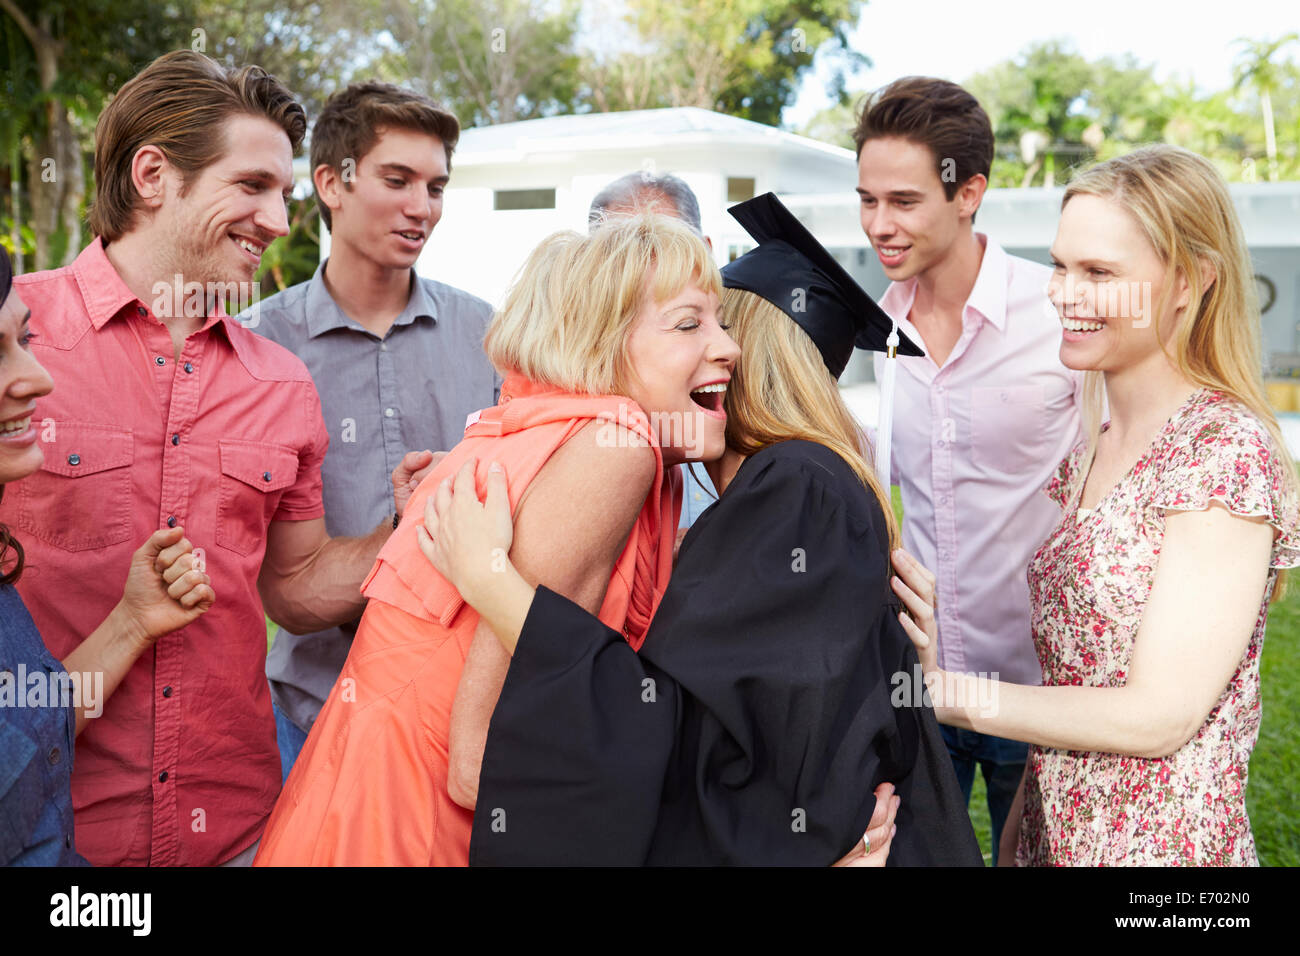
974,444
182,766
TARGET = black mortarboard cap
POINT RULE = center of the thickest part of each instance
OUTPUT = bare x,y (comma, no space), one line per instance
793,271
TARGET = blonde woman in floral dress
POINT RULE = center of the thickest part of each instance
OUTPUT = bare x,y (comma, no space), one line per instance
1151,595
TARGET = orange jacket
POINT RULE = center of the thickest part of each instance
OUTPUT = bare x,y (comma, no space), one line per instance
370,786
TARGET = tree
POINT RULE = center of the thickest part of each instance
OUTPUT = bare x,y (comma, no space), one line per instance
1255,68
71,56
312,47
834,125
1036,102
744,57
488,61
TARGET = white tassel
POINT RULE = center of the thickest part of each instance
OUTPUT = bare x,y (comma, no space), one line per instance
885,423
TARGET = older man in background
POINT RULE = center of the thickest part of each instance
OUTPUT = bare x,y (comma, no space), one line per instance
667,195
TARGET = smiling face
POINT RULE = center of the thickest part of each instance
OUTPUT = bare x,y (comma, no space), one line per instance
905,213
387,210
681,360
22,381
1106,288
217,229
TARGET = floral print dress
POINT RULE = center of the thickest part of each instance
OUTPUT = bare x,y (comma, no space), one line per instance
1088,584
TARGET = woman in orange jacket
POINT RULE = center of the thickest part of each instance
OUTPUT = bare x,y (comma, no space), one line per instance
615,367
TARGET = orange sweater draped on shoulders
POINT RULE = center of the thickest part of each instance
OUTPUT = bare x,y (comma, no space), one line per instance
370,786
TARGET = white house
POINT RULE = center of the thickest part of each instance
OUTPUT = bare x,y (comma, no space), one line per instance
516,183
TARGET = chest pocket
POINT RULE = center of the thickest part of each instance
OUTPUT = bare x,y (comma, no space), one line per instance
253,478
1008,427
80,499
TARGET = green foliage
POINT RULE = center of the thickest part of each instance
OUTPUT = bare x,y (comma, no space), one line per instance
1053,111
833,125
488,61
743,57
293,258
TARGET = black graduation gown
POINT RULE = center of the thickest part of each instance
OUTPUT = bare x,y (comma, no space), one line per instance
757,718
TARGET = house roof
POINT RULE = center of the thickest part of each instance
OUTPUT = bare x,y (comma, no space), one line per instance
628,130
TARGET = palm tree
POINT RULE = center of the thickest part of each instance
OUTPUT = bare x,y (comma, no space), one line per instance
1255,67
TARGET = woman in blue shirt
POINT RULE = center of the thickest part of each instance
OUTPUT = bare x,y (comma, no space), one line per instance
45,702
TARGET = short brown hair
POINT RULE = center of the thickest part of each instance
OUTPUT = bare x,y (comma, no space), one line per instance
353,119
173,103
936,114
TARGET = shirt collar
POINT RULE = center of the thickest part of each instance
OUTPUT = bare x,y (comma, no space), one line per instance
102,289
105,294
988,296
324,314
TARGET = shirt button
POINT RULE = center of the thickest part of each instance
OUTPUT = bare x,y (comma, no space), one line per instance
159,360
1004,396
167,691
162,777
74,459
939,443
189,367
176,439
266,476
383,346
67,840
54,755
141,311
388,413
171,521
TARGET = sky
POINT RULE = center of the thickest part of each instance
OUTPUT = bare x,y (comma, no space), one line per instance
953,39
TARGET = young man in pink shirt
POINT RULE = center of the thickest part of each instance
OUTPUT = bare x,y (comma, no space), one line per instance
983,419
170,412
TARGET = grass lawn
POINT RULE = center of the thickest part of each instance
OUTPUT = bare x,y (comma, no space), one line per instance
1272,800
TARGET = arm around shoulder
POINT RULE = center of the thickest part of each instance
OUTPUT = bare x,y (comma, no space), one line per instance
571,525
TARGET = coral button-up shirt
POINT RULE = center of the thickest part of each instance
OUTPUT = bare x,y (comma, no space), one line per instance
181,768
975,441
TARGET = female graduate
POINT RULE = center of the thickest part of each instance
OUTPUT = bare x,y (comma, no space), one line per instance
773,692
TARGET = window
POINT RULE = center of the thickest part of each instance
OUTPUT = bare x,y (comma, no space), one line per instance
738,190
524,199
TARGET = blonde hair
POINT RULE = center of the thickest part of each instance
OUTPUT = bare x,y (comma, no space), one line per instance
782,390
1183,207
566,319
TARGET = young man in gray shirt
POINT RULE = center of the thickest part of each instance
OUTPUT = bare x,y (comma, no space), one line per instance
397,359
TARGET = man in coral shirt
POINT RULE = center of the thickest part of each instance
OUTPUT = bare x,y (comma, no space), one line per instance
170,412
984,418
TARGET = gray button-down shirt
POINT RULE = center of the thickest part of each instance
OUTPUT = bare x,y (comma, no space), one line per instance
380,398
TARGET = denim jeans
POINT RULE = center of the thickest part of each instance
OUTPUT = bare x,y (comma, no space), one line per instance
1002,762
291,738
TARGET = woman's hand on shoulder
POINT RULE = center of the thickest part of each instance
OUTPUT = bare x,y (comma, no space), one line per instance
468,541
915,586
